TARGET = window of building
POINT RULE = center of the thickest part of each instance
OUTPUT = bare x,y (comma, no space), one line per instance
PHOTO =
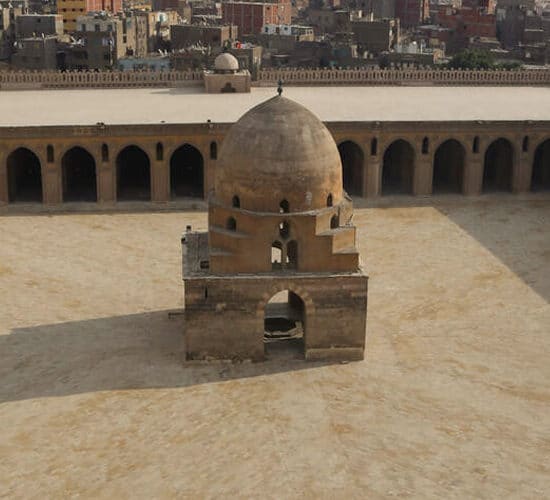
236,202
284,207
284,229
96,27
231,224
329,200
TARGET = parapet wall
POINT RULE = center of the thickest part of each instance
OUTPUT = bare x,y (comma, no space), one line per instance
375,76
20,80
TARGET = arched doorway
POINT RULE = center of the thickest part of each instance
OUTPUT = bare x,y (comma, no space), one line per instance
398,168
285,325
187,172
448,172
497,170
351,156
540,179
133,175
79,175
24,176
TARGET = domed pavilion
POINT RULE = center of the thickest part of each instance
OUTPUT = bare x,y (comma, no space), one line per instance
279,227
226,76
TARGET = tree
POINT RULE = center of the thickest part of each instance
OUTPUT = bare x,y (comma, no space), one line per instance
472,59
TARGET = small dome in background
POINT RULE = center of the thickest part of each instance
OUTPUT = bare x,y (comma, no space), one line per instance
226,62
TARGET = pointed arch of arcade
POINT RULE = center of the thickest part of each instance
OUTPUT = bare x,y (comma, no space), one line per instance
498,166
398,168
79,175
24,172
448,167
540,177
187,172
352,157
133,174
281,286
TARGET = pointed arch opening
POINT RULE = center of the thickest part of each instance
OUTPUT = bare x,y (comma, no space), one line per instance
329,200
497,170
24,177
187,173
398,168
104,153
133,175
425,146
285,325
276,256
50,154
231,224
284,229
448,171
79,175
160,151
352,158
291,261
540,178
334,221
284,207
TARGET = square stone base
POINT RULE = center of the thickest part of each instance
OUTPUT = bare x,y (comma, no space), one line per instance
224,315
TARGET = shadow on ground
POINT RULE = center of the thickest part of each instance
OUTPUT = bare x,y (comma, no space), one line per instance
138,351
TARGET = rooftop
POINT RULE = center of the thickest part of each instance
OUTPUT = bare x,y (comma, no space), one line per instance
330,104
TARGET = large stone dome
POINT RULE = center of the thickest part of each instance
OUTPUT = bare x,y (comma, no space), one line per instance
279,151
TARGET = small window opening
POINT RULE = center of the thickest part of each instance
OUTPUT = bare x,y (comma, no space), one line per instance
204,264
374,146
104,152
276,255
284,229
236,202
231,224
49,154
292,255
329,200
475,145
425,146
284,207
160,151
205,293
214,150
334,222
525,145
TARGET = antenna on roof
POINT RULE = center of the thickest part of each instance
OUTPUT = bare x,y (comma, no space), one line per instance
280,87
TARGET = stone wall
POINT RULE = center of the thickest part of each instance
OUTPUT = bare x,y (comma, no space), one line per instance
19,80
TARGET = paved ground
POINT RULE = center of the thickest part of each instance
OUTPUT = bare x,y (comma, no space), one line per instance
453,400
192,105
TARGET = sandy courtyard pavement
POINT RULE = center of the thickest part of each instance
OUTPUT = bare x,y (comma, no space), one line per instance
452,400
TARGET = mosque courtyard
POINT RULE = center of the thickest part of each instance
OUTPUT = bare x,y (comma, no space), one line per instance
451,401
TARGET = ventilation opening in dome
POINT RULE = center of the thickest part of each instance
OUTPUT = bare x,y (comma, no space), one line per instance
284,207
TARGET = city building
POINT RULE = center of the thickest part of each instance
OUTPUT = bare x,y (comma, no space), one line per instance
185,35
411,12
72,9
375,36
251,17
279,260
35,53
31,25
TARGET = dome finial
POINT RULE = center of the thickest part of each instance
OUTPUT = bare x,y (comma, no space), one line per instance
280,87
